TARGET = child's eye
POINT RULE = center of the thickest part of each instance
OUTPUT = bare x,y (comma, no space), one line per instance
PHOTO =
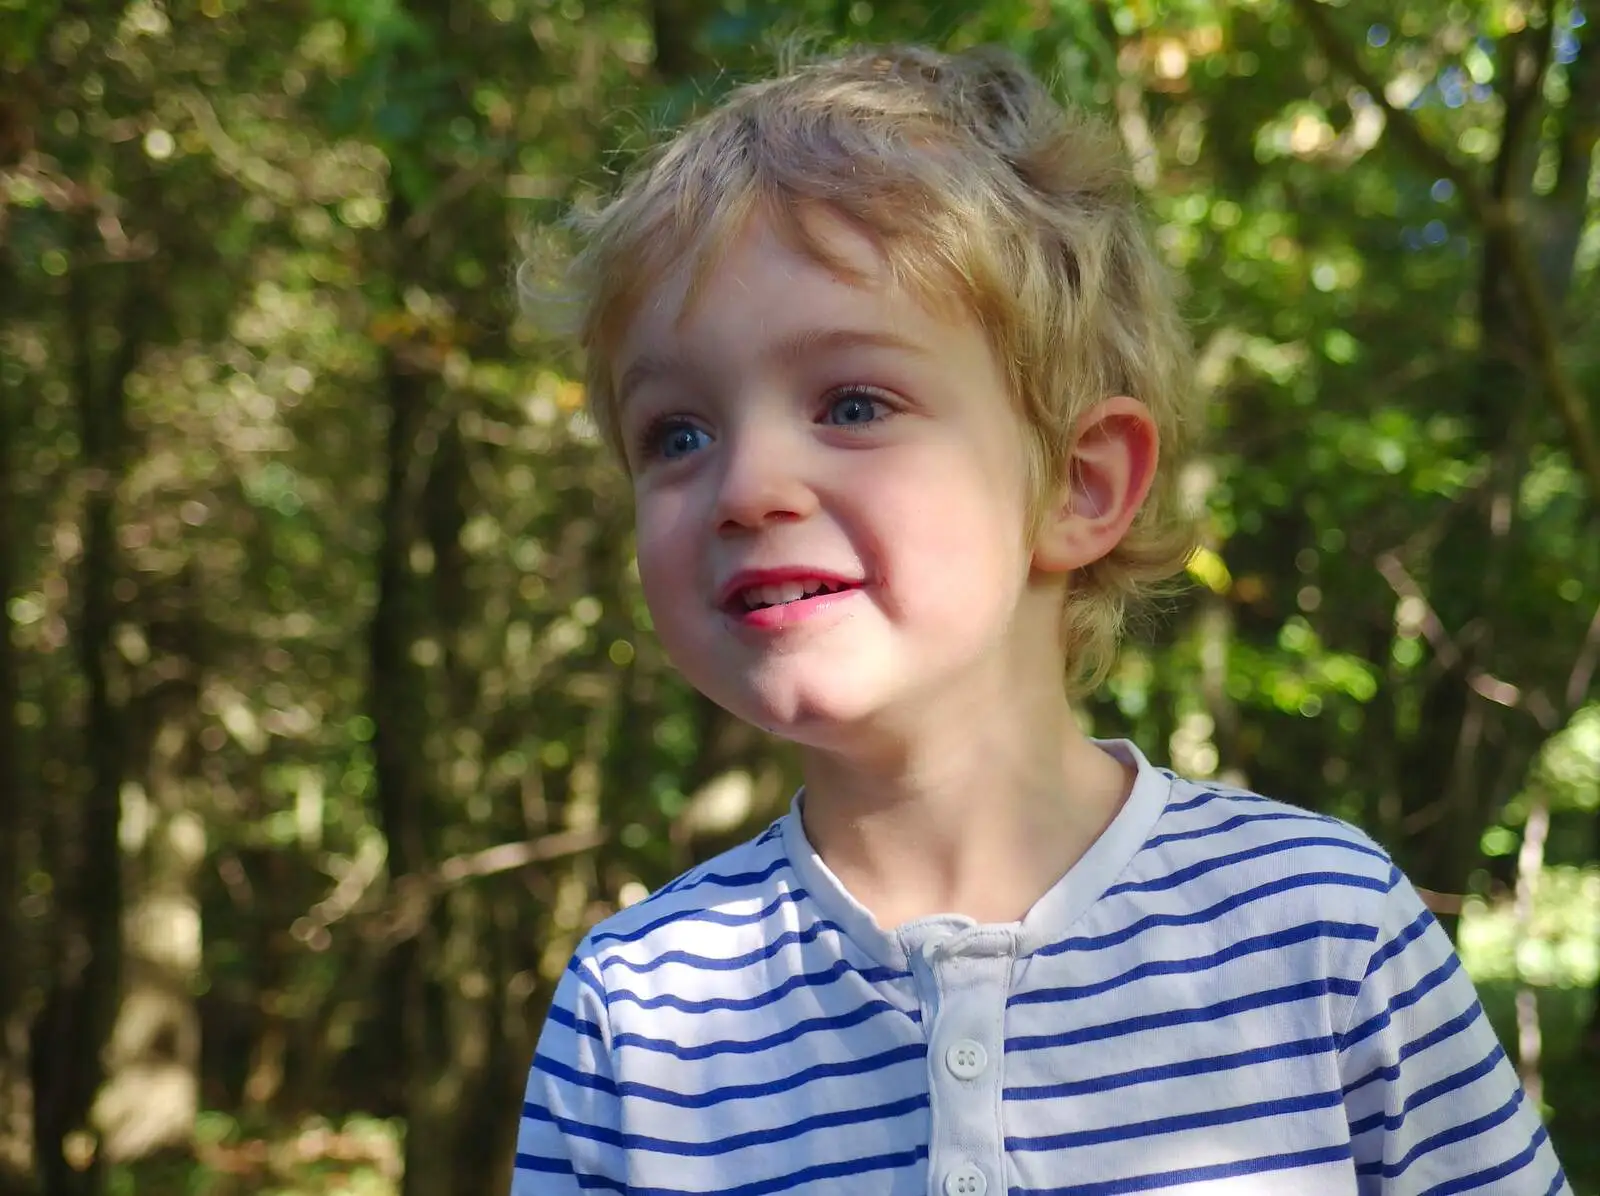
856,406
672,438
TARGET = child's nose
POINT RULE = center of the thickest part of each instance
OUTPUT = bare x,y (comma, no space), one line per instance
763,480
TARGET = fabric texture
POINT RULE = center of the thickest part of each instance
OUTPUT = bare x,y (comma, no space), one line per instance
1227,996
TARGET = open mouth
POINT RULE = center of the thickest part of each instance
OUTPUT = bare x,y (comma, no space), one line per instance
784,593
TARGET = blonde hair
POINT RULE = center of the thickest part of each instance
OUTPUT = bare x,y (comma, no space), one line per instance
970,178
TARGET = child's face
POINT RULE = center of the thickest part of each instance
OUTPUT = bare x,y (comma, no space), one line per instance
796,428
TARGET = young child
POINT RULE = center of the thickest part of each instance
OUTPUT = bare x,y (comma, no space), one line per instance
904,395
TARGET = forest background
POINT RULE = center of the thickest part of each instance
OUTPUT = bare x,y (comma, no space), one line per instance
330,714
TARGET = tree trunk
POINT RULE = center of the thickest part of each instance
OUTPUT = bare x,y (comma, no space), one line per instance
398,703
72,1030
1589,1046
152,1090
1561,219
15,803
674,25
1472,754
1530,871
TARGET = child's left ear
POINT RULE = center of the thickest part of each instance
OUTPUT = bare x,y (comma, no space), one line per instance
1109,473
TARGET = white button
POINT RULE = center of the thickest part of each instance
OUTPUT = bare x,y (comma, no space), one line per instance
965,1181
966,1059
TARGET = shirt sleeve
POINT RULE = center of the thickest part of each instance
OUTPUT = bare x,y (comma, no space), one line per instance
1434,1105
570,1139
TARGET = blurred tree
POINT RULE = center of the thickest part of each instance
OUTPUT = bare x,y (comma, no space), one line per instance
14,803
332,714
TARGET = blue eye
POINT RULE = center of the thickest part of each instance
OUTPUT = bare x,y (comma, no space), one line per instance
855,407
671,439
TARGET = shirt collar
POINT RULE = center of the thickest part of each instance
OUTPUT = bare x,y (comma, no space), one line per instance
1051,916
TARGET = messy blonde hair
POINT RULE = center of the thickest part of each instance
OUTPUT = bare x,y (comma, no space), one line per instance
975,185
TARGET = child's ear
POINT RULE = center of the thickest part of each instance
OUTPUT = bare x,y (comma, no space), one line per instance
1113,462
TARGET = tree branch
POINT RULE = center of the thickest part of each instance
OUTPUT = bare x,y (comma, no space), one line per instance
403,915
1481,682
1565,209
1583,667
1502,219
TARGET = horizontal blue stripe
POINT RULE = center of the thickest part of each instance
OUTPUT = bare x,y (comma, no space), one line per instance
1380,1020
740,880
865,1065
699,913
578,1025
586,978
543,1166
1414,930
1178,1123
1211,863
1433,1037
773,831
1195,1175
806,1175
1450,1083
583,1079
1481,1179
762,1137
733,1046
1307,991
733,963
533,1162
1309,932
700,877
1211,795
1272,888
1156,1073
820,979
1447,1137
589,1029
1228,824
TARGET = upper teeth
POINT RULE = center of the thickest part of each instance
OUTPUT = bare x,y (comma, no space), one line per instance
788,591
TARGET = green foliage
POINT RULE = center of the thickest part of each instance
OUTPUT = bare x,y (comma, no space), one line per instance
378,636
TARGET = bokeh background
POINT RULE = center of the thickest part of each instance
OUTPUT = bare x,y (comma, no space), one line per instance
330,715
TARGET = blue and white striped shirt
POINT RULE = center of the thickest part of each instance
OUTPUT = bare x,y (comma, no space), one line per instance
1225,997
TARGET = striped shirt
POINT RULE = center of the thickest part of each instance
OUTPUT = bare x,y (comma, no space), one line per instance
1226,996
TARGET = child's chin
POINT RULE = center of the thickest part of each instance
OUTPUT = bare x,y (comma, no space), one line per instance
816,718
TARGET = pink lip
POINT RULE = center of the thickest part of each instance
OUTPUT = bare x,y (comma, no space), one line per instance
776,618
773,618
728,596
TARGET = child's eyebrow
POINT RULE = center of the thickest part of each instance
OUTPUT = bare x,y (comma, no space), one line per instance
791,349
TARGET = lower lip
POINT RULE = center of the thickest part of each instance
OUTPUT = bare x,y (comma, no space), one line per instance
788,614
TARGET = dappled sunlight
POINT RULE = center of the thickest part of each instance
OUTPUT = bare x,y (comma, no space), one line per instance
147,1108
333,715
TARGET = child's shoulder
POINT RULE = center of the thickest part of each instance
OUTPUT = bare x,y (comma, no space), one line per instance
1214,840
743,890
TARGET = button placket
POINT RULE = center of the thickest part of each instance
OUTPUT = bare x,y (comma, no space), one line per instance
965,983
966,1059
966,1181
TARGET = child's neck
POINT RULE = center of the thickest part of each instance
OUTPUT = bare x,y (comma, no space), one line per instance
969,816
